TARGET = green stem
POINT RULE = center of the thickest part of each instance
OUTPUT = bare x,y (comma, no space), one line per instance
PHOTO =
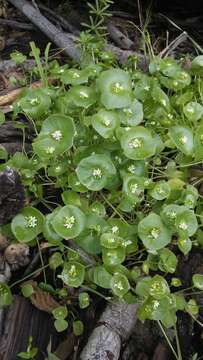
168,341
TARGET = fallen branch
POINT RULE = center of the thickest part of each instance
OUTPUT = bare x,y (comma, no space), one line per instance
56,35
118,37
63,40
114,327
16,24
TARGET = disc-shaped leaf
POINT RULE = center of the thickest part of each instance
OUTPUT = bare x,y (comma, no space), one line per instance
101,277
82,96
160,191
73,274
112,257
69,222
197,64
48,230
184,245
5,295
119,284
110,240
105,122
95,171
133,187
56,136
186,223
153,233
169,214
115,87
138,143
35,103
27,224
193,111
167,261
158,287
182,137
89,242
132,115
74,76
197,280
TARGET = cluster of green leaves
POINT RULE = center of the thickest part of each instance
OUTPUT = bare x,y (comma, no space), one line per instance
118,144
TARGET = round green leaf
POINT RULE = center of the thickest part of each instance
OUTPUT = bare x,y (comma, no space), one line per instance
115,87
153,233
82,96
27,224
5,295
182,137
193,111
56,136
119,284
186,223
95,171
132,115
48,230
69,222
101,277
160,191
60,325
110,240
197,280
74,76
84,300
73,274
105,122
184,245
113,256
138,143
27,290
78,327
55,260
158,287
167,261
60,312
35,103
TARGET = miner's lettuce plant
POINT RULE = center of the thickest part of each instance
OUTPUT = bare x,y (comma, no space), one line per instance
119,147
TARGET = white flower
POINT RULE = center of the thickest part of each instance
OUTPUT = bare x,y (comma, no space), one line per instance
34,101
133,188
182,225
183,140
155,233
114,229
117,87
135,143
83,94
97,173
190,109
75,75
72,271
107,122
57,135
132,169
118,285
50,149
171,214
69,222
31,221
156,304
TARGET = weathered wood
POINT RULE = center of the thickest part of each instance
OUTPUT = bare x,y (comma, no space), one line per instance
56,35
21,321
115,326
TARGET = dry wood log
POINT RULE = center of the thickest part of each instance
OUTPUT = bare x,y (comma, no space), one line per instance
64,40
56,35
21,321
118,37
115,326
